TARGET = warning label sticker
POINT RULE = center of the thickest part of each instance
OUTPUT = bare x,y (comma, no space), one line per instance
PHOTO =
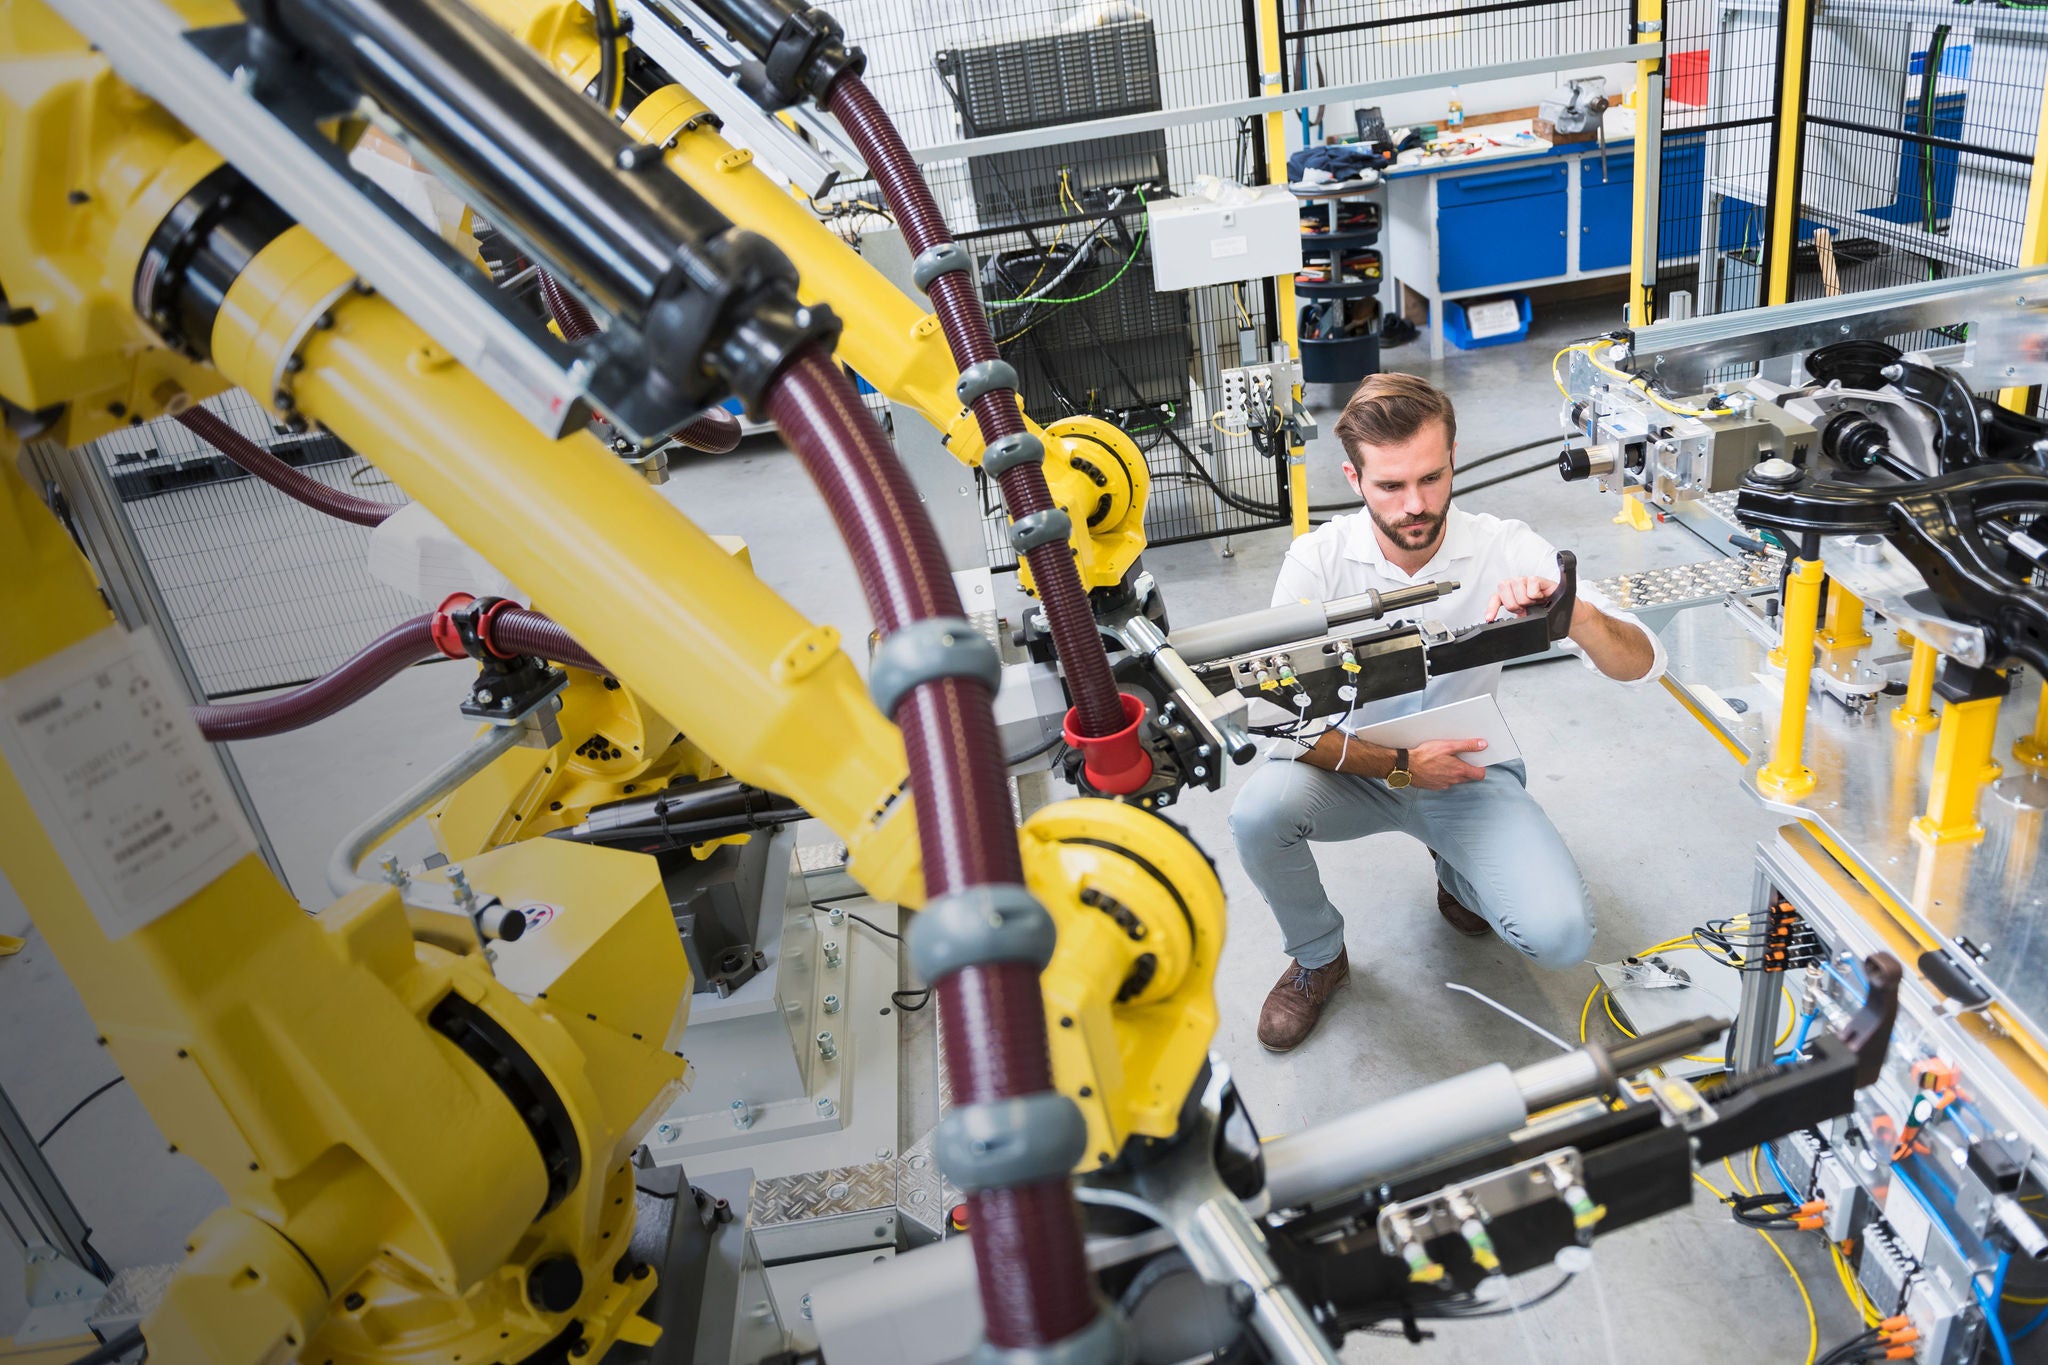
102,742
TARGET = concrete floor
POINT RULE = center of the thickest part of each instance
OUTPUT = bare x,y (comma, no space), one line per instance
1648,802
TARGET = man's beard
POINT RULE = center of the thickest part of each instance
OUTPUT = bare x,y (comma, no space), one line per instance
1413,533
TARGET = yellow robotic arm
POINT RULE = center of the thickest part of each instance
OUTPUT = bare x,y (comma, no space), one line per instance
1095,472
337,1071
424,1150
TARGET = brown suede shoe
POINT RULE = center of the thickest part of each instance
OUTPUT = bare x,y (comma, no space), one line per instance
1457,916
1293,1006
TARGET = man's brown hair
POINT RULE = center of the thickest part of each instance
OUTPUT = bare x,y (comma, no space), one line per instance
1388,409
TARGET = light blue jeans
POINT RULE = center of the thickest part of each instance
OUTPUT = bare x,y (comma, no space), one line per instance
1497,852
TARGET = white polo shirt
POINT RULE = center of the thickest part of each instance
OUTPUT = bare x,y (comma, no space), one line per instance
1478,551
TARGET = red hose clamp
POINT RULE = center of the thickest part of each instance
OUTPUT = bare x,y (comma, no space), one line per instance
447,635
461,626
493,608
1114,763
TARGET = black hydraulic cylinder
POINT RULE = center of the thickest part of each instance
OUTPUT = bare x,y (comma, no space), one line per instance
802,49
716,306
688,812
544,155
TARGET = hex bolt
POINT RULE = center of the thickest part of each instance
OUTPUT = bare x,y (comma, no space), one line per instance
837,916
742,1117
393,873
665,1131
831,1004
827,1049
805,1307
831,952
826,1109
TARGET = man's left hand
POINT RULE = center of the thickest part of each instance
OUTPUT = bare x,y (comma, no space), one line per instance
1515,596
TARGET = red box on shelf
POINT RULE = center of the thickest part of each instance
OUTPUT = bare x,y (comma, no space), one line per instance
1688,78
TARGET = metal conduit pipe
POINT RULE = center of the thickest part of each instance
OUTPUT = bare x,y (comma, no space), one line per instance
1027,1238
293,483
414,802
1074,632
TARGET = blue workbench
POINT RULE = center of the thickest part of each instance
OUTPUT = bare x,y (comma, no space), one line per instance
1517,218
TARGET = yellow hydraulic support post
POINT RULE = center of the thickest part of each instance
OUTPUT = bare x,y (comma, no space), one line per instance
1287,325
1786,777
1642,274
1962,765
1915,715
1796,26
2032,749
2034,235
1843,628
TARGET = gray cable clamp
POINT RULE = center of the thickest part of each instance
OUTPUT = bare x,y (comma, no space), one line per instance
934,261
979,926
984,377
1000,1144
936,647
1014,451
1102,1342
1049,527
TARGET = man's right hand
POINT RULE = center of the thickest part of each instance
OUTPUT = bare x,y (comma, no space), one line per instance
1435,765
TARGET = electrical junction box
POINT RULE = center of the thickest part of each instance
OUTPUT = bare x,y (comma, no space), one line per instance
1199,241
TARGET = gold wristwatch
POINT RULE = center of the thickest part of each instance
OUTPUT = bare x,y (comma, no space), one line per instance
1400,776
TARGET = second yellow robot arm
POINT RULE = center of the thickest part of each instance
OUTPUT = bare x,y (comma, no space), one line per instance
1094,471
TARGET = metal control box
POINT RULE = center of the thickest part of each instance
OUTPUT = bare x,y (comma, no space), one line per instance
1197,242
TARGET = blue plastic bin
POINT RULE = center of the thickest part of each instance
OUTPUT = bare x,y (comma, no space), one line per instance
1460,331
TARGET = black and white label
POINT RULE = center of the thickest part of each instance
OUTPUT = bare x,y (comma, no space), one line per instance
113,764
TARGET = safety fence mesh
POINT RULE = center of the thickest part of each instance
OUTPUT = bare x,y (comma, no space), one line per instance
262,591
1058,227
1717,148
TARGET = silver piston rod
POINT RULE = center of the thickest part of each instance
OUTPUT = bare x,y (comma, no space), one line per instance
1254,631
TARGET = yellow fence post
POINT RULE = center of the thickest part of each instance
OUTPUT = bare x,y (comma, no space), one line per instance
1786,777
1288,326
2034,235
1783,242
1642,274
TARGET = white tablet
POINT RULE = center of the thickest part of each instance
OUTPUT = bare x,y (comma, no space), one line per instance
1473,718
